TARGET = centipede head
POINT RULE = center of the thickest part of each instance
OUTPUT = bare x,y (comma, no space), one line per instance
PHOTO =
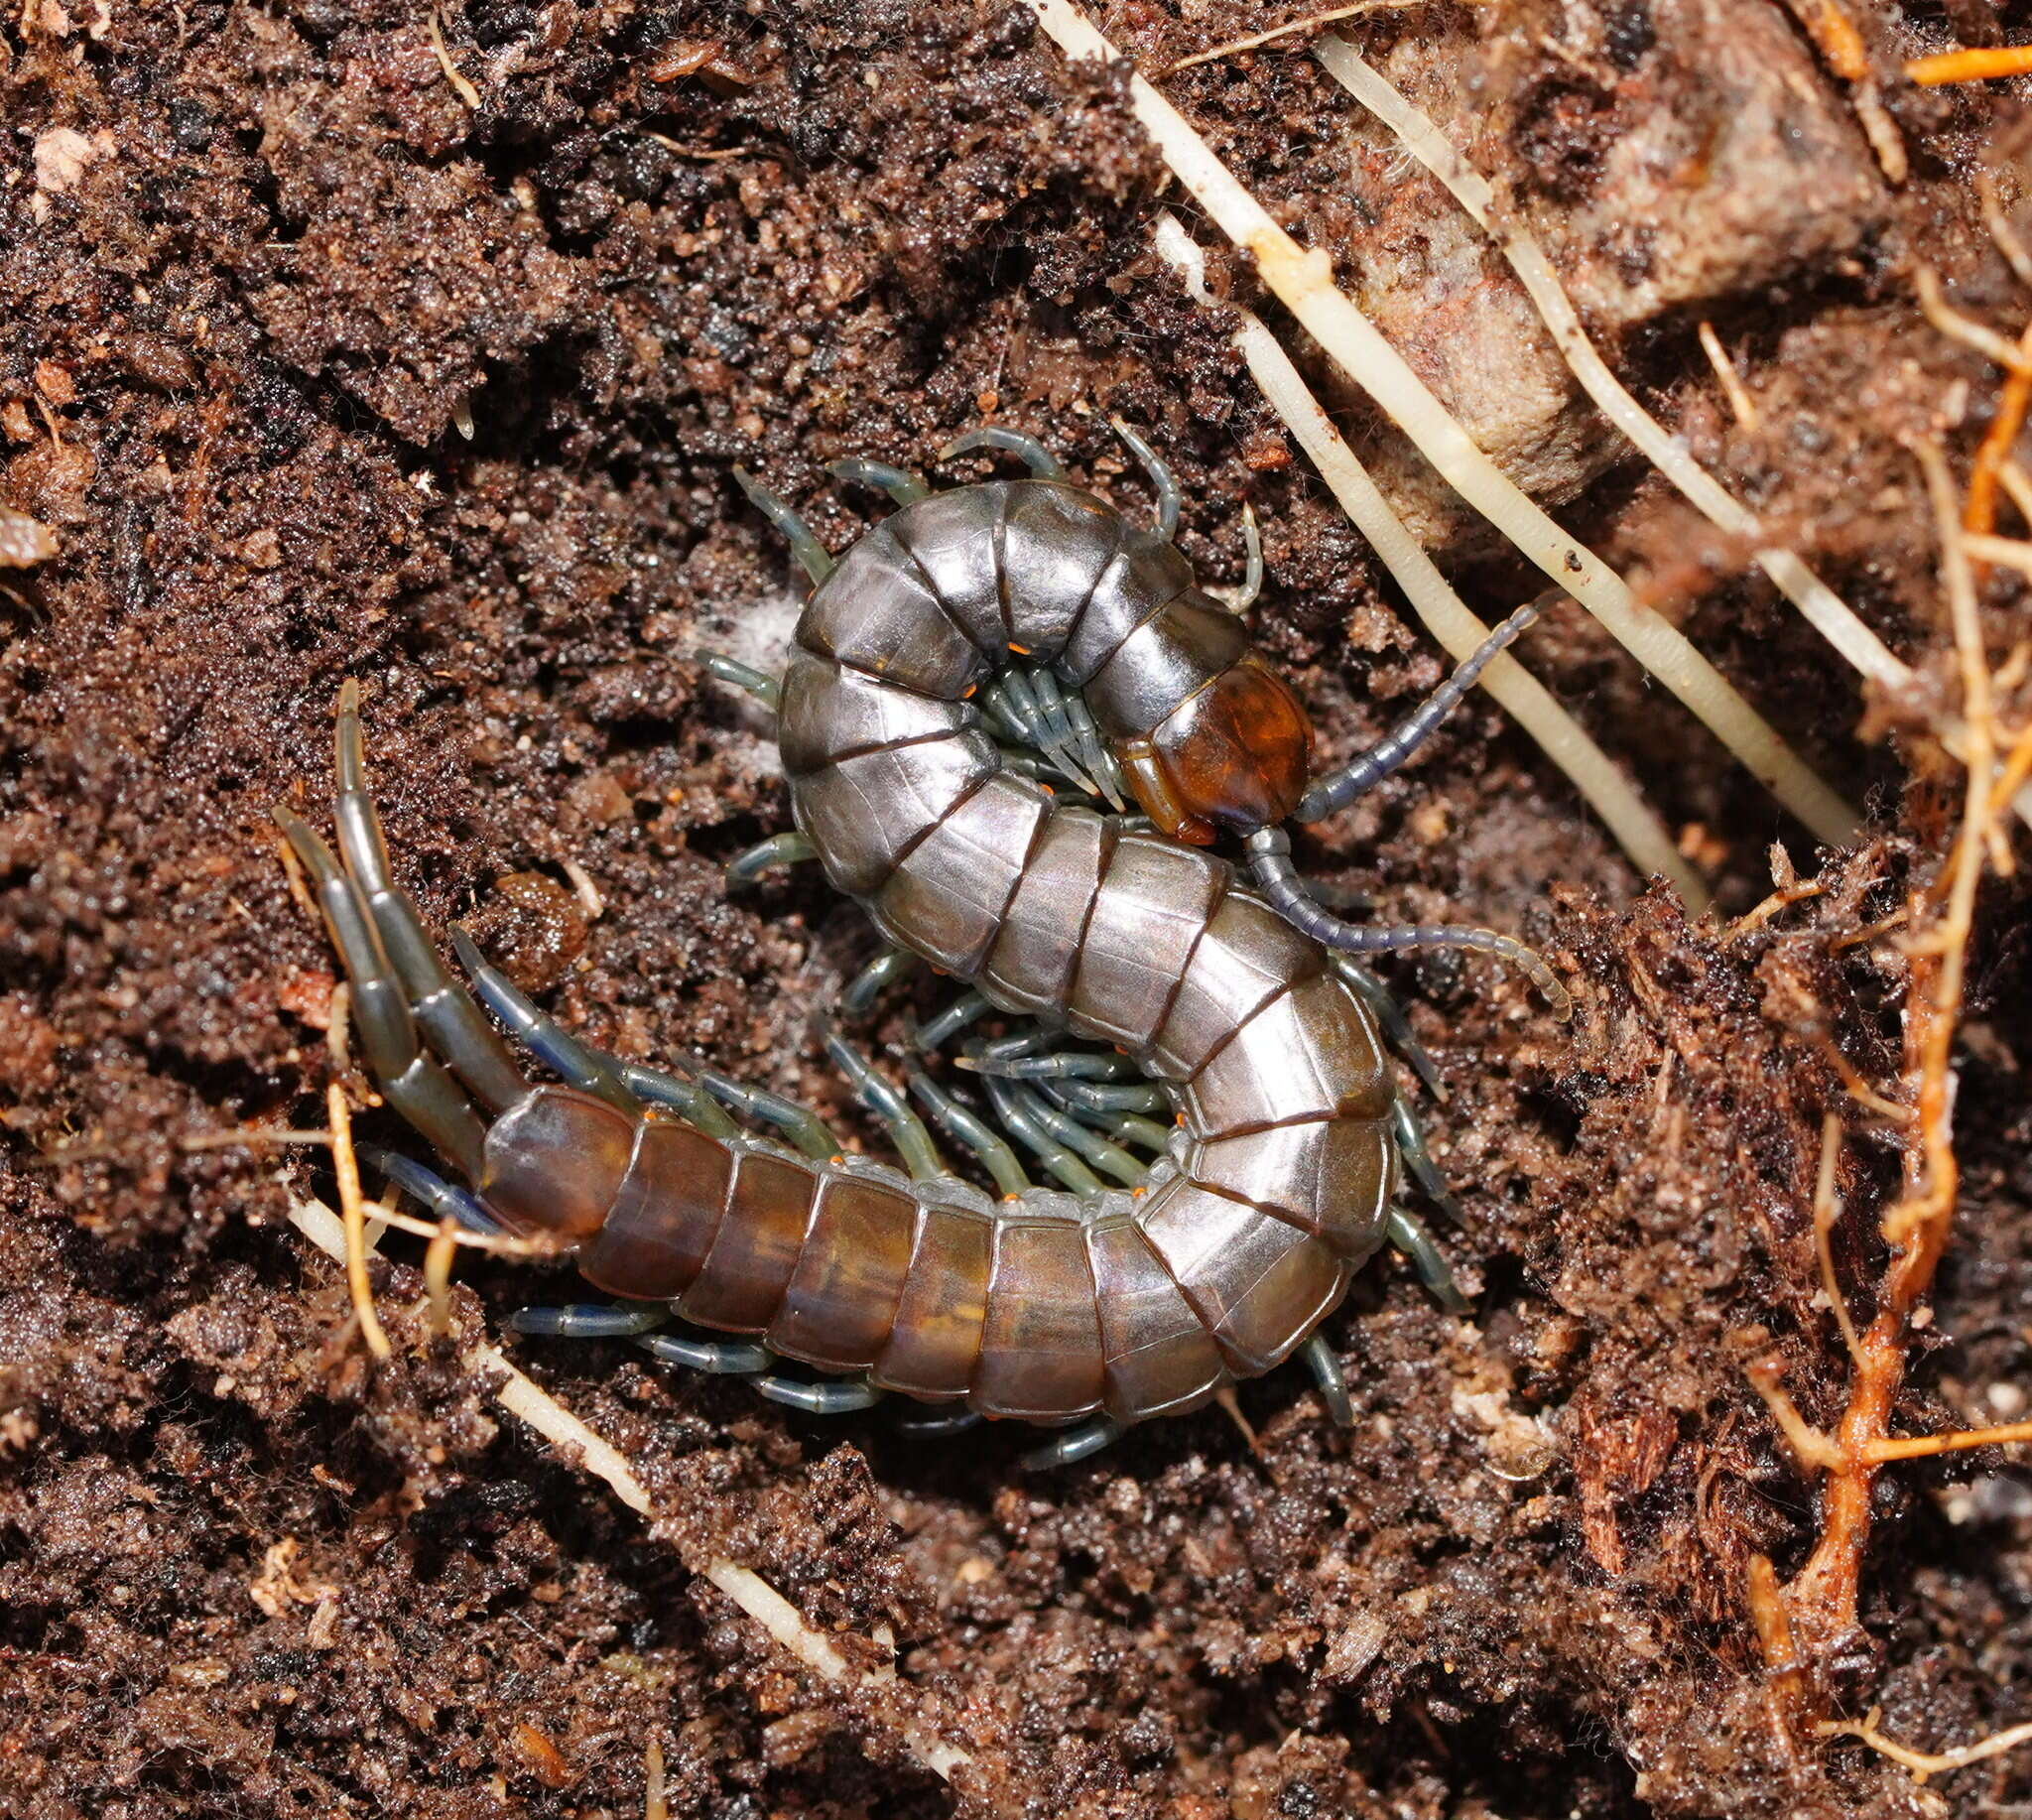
1234,754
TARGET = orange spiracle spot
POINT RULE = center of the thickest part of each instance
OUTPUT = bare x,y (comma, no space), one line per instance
1235,754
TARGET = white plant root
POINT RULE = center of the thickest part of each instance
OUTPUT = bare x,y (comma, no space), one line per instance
1303,281
1823,609
528,1401
1528,701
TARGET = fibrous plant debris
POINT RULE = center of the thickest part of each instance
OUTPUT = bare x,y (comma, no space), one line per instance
419,347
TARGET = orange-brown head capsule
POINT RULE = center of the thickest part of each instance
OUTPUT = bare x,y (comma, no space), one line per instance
1233,754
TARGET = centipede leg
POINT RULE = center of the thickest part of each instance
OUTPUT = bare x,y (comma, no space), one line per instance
1383,1006
687,1098
412,1080
765,688
444,1199
975,1133
880,974
903,487
842,1396
539,1032
787,848
717,1357
936,1425
807,1131
1018,1114
1027,448
1161,477
1409,1130
1075,1444
590,1320
907,1131
812,555
967,1009
1123,1128
1325,1365
1408,1234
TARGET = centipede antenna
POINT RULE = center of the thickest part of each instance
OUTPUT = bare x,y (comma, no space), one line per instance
812,555
1364,772
767,690
1161,479
1270,867
1240,598
1033,454
903,487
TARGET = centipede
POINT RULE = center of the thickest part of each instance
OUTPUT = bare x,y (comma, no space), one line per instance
1018,732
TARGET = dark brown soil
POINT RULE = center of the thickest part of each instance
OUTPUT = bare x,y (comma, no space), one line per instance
260,272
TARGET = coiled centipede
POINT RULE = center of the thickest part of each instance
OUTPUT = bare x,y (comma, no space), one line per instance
1110,1305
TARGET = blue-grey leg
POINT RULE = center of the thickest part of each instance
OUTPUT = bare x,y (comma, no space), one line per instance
592,1319
1331,1379
1123,1128
1056,725
582,1065
812,555
1110,1159
968,1009
1029,1130
906,1129
808,1134
718,1357
1075,1444
787,848
1407,1232
1012,1059
933,1425
1383,1006
1161,479
1110,1097
880,974
442,1197
1033,454
1369,768
899,483
1096,756
840,1396
956,1121
689,1100
1418,1158
1240,598
765,688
